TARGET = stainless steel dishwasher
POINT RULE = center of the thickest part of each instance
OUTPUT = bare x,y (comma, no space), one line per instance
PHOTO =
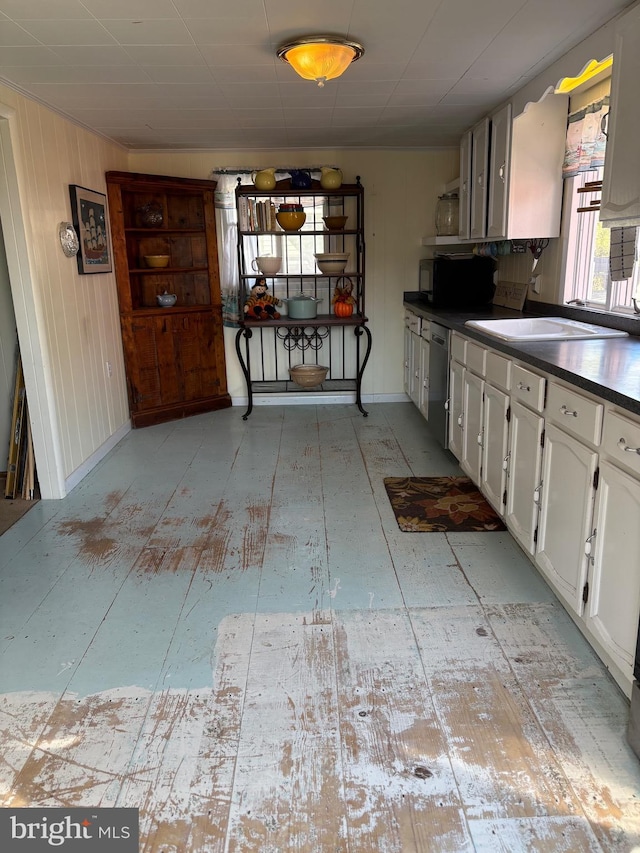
437,413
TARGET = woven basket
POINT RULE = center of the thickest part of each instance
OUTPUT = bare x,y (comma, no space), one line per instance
308,375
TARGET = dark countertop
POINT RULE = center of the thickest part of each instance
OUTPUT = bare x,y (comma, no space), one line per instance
607,367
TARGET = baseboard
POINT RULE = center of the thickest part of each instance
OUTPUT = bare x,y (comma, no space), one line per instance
90,463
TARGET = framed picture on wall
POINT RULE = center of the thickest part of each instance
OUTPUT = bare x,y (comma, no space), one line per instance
89,214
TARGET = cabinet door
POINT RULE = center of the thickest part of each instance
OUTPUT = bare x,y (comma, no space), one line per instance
523,474
416,379
479,179
613,606
499,173
620,204
465,187
456,415
566,512
177,360
495,432
408,366
472,391
424,376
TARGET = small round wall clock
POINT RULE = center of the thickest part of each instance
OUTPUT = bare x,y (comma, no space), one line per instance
68,239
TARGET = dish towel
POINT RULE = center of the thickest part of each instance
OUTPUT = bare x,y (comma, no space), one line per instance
622,252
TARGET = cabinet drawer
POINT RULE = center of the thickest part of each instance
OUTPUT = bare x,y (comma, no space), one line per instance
527,387
459,348
621,440
498,371
412,321
574,413
476,358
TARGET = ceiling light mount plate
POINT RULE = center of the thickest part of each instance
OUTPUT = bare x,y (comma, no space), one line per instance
320,58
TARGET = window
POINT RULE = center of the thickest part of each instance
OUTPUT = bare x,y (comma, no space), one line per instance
289,247
587,277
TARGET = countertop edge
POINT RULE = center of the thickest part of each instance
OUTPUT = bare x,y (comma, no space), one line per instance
553,357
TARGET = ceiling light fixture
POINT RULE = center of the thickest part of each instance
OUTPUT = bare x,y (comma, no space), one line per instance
320,58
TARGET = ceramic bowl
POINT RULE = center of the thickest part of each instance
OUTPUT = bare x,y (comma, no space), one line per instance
332,263
335,223
291,220
157,261
308,375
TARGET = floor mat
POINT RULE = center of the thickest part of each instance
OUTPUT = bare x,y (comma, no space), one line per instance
439,505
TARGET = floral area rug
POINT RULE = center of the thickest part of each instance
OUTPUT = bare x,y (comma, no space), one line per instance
439,505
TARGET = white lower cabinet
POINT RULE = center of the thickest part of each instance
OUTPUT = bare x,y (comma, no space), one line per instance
613,604
416,360
495,445
423,395
566,511
472,404
523,474
456,413
415,384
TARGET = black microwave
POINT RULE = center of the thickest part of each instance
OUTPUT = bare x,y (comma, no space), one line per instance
461,282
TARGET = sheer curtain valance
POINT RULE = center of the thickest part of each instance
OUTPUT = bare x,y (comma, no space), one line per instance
586,139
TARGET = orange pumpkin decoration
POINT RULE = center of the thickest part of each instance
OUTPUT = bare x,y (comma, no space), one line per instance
343,309
343,298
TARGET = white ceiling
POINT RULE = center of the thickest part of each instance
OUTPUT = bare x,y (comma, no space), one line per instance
202,74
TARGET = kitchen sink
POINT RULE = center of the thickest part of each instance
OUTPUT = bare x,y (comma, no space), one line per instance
542,329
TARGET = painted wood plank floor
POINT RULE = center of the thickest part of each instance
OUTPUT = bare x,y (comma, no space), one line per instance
223,626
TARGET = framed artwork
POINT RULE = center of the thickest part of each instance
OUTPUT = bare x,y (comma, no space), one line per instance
89,214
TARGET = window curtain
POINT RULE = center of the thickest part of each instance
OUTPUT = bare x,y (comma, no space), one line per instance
227,233
586,140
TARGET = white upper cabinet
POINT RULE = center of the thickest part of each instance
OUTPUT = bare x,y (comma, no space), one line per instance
465,186
620,199
479,179
511,173
499,171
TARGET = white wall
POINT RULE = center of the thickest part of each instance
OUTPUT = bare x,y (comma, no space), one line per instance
75,322
401,190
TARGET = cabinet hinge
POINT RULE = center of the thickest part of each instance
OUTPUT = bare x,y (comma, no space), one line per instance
535,536
542,438
508,415
504,497
596,478
585,593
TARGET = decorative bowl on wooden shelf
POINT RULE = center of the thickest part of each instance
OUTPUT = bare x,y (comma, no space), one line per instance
331,263
308,375
291,220
157,261
335,223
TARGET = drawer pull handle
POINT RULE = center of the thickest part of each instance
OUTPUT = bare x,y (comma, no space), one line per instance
622,444
568,412
524,387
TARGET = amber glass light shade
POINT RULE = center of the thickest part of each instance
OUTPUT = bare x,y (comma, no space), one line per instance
320,58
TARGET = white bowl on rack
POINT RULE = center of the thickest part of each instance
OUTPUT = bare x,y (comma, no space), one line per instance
332,263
